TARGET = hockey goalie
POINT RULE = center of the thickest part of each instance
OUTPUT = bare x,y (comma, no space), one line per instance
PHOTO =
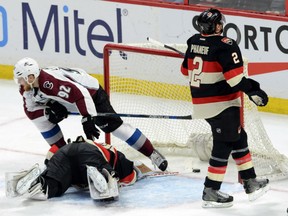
85,164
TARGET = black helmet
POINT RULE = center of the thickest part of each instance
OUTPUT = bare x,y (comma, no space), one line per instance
208,19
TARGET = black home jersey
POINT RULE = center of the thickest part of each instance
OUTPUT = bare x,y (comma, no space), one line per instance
214,66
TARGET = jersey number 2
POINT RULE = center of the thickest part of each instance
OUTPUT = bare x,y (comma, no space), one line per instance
194,74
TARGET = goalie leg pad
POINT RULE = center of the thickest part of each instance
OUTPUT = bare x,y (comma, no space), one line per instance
97,178
36,191
25,182
11,179
112,184
110,193
17,183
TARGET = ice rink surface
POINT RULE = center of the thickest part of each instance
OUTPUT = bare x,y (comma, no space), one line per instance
21,146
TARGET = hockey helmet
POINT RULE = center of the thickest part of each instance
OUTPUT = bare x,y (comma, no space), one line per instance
25,67
208,19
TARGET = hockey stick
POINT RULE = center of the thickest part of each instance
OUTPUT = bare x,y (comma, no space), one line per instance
153,174
144,171
139,116
153,41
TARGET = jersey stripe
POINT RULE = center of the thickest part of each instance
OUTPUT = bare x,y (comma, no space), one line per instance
215,99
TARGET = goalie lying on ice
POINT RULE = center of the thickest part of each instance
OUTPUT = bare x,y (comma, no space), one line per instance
82,163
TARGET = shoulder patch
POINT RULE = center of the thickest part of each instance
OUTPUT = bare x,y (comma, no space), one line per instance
226,40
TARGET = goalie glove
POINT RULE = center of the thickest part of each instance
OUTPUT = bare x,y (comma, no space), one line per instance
89,128
55,112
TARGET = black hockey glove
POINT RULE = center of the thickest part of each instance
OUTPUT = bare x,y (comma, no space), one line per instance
55,112
259,97
256,94
90,128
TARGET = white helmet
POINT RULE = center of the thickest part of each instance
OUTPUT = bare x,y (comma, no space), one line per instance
25,67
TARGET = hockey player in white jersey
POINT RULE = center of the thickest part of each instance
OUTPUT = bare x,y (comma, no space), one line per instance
48,92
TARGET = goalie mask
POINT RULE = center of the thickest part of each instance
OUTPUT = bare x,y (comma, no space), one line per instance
208,20
25,67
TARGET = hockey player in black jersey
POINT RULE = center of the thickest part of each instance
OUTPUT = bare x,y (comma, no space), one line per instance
214,66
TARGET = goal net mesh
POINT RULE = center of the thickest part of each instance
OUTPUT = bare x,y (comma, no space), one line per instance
146,79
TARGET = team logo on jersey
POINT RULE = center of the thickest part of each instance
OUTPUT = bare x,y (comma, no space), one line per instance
209,14
228,41
48,85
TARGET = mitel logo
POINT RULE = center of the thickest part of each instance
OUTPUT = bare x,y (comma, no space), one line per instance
76,24
3,27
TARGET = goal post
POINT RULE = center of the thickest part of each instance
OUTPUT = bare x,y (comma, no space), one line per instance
109,48
146,79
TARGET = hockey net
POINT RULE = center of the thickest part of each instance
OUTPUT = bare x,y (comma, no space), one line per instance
146,79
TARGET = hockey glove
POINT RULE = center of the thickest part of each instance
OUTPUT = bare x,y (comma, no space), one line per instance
247,85
253,90
259,97
55,112
256,94
255,86
89,128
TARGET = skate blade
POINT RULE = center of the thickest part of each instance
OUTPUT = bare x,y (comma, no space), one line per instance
211,204
258,193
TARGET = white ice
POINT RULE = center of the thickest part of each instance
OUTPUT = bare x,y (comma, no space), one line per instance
21,146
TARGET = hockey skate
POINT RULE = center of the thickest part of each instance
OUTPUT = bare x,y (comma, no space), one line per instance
255,188
159,160
24,183
216,199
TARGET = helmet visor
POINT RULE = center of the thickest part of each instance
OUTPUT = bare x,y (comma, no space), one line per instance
222,21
